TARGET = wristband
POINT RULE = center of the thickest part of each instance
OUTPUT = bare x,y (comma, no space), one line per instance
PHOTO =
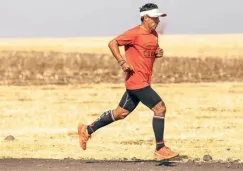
121,62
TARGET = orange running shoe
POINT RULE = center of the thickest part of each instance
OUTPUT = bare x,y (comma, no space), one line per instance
165,153
83,135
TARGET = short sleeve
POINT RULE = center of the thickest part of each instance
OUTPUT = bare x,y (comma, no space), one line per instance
155,34
126,38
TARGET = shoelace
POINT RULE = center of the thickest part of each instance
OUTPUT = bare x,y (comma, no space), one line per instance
86,137
168,149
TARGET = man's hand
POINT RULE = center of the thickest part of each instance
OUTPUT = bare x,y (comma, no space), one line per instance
159,53
125,66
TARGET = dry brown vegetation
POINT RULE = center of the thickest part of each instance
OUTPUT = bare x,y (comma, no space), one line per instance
39,68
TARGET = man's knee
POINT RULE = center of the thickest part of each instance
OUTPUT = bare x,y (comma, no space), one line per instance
159,109
120,113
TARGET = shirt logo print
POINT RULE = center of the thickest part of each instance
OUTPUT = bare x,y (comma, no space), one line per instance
149,50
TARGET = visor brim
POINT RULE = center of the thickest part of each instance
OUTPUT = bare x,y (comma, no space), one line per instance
157,15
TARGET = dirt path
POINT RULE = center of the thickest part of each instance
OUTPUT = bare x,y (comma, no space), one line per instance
70,164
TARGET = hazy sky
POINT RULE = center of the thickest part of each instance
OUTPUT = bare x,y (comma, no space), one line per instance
79,18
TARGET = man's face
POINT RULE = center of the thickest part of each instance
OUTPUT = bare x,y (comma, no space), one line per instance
152,22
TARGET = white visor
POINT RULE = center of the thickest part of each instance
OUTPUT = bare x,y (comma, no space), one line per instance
153,13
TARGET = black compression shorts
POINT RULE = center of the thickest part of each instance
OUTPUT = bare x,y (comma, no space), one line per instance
146,95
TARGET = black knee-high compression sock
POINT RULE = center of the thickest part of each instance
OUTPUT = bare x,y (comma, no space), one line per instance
105,119
158,127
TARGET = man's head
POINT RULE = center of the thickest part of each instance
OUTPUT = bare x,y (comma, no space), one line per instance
150,15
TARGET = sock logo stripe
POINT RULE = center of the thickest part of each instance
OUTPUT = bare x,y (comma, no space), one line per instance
159,117
112,115
91,128
161,142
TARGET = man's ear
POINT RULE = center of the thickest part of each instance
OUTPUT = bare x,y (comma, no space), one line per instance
145,18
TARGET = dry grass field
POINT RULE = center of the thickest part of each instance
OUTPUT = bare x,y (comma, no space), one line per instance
201,119
225,46
48,86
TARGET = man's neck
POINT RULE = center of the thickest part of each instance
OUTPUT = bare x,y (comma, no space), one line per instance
146,28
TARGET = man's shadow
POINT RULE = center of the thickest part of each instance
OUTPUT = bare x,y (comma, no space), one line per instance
172,162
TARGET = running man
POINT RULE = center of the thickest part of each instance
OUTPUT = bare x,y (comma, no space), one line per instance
141,50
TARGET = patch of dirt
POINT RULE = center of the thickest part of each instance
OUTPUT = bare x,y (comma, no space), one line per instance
104,165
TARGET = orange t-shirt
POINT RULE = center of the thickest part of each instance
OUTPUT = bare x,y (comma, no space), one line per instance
140,47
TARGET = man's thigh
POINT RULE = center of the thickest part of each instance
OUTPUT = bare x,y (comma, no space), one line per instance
147,96
128,101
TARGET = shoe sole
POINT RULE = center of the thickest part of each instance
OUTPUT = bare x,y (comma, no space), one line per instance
158,157
80,128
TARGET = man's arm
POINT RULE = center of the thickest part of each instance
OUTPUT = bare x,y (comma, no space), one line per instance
114,47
